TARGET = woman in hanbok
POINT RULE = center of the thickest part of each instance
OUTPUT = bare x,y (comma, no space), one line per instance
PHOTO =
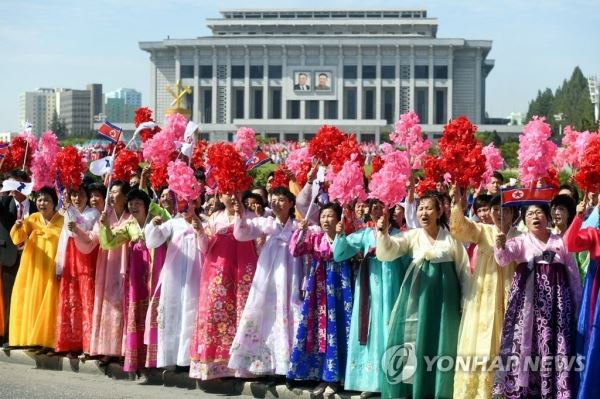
579,238
35,294
178,283
376,289
540,319
426,317
136,274
265,335
76,271
485,300
321,342
225,280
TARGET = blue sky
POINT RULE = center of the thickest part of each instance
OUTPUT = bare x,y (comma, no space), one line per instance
59,43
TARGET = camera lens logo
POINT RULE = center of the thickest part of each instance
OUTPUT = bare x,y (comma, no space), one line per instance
399,363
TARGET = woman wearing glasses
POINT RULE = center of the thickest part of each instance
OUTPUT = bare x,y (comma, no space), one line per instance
540,317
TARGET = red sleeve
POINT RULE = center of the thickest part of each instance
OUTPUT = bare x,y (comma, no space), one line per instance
577,239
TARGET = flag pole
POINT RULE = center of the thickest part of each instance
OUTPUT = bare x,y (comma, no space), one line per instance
26,148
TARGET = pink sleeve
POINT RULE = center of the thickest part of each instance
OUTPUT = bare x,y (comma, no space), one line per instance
87,241
513,250
303,242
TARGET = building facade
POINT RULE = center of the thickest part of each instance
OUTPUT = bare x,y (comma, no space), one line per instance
76,111
97,99
38,108
286,72
120,105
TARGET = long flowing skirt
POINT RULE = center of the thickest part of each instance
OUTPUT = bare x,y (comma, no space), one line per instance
320,347
536,329
135,304
76,300
588,334
424,324
225,282
151,327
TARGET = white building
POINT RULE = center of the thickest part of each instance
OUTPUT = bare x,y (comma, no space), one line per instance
38,108
287,72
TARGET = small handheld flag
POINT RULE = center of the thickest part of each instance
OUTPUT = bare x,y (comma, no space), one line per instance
258,159
527,196
101,166
15,185
110,132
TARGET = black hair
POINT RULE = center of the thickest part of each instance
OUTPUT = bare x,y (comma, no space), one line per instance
498,176
544,207
572,189
85,189
481,201
391,218
335,207
19,174
136,193
437,198
125,187
99,187
302,74
288,194
249,194
323,74
263,190
199,175
370,202
566,201
50,192
497,201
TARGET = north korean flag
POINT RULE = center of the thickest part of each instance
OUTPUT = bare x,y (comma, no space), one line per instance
259,158
110,132
528,196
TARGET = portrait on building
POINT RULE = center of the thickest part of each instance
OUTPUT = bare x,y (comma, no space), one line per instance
322,81
302,81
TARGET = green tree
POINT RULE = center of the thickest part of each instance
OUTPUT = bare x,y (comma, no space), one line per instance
509,153
57,126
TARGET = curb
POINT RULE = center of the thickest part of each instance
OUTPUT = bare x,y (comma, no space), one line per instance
168,378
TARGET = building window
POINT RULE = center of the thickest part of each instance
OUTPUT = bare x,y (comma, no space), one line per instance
257,104
421,71
272,137
186,71
238,111
312,109
421,97
275,104
331,109
369,109
294,109
207,106
388,105
350,72
440,72
256,72
367,138
440,107
369,71
274,71
388,72
291,137
237,72
349,103
206,72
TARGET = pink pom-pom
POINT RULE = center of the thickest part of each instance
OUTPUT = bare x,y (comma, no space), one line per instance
574,145
245,141
176,124
42,166
388,184
493,162
348,183
408,135
297,159
536,151
182,182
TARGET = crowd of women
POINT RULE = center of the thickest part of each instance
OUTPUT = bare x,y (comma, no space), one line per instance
268,283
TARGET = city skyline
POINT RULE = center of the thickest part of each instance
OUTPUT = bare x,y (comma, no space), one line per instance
533,47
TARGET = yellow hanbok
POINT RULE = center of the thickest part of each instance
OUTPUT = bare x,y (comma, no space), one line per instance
34,300
483,308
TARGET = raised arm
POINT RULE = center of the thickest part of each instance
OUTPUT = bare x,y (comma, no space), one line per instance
344,247
113,239
303,240
246,229
463,229
21,230
508,251
157,232
390,248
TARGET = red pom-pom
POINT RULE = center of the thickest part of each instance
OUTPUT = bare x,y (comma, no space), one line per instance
344,152
434,172
325,143
376,164
144,114
227,169
198,154
588,176
281,177
70,167
158,176
16,154
552,179
126,165
302,176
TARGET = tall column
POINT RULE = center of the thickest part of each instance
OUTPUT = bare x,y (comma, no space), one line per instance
177,64
450,84
478,107
412,78
213,108
430,94
359,85
196,91
303,102
321,102
397,82
340,83
378,84
247,94
153,101
266,94
284,78
228,91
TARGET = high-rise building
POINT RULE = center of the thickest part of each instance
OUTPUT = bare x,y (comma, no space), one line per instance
75,111
286,72
120,105
37,107
97,103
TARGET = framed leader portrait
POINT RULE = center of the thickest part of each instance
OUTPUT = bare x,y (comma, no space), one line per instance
302,82
322,81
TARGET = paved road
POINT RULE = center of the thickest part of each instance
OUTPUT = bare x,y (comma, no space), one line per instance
18,381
